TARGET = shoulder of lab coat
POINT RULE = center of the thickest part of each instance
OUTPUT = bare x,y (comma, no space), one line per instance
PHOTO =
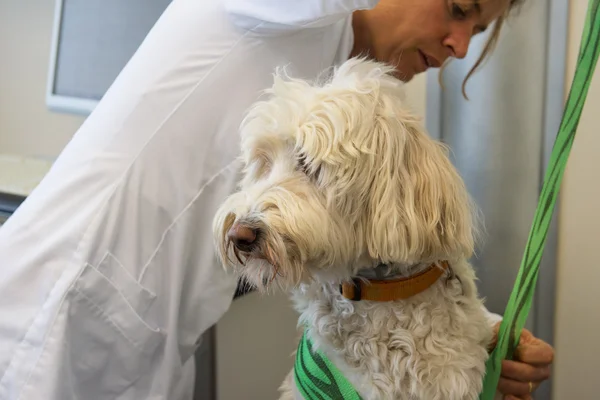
275,17
493,318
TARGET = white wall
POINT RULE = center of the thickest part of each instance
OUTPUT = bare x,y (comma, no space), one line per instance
26,127
255,341
416,94
578,297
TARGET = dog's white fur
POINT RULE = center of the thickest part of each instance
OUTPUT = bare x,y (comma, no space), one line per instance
339,177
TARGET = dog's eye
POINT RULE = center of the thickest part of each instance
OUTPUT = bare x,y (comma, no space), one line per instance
302,164
304,167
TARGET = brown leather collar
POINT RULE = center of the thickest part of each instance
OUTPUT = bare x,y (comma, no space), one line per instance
396,289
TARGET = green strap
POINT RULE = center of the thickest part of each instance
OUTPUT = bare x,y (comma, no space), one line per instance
519,303
317,378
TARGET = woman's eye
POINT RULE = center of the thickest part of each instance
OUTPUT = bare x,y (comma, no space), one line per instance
458,12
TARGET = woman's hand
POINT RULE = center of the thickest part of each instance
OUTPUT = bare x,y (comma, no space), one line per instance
531,366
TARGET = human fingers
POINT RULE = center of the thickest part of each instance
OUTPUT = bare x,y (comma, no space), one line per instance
524,397
535,352
511,387
524,372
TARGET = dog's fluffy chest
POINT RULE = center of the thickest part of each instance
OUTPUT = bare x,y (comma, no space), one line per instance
429,347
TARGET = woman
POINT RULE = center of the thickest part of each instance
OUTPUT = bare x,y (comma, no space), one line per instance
109,276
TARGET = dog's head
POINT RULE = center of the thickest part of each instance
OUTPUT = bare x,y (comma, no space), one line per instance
340,176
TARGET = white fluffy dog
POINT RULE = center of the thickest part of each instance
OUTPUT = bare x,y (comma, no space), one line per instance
342,185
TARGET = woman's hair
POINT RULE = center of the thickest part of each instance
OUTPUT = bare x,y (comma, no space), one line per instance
490,45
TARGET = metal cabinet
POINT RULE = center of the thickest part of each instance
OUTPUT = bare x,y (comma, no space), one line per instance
8,205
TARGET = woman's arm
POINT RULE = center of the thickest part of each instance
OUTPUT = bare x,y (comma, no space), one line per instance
493,318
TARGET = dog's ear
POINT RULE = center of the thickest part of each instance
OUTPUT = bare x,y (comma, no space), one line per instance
419,208
270,123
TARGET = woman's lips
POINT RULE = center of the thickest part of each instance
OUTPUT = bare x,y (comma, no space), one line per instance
428,61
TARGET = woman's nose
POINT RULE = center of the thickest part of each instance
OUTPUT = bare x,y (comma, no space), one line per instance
457,42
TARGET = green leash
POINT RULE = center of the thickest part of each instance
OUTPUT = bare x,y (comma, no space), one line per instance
519,303
317,378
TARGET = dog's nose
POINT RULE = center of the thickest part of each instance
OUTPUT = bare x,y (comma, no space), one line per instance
243,237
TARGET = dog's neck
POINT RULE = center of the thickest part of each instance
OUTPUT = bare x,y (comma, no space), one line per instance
370,339
392,271
389,284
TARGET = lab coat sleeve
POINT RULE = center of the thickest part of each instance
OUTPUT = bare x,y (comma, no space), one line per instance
274,17
493,318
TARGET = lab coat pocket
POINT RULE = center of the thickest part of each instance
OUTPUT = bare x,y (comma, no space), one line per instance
111,346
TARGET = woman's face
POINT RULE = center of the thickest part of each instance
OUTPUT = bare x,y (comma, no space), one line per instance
415,35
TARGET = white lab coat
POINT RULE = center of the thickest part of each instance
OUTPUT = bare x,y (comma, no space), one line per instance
108,276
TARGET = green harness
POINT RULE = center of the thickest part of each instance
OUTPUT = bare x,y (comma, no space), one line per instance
318,379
